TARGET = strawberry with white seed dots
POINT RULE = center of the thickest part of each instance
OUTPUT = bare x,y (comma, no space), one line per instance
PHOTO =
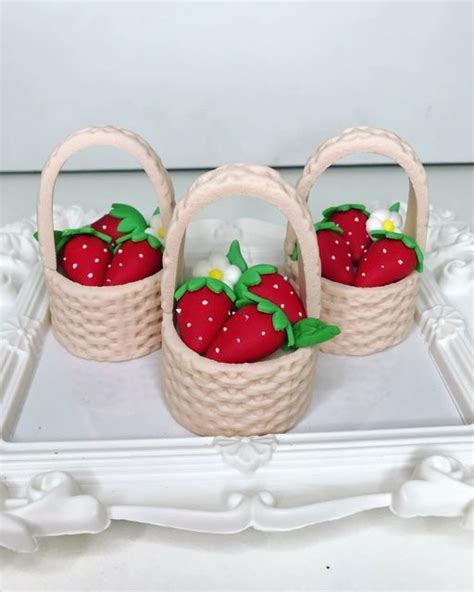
248,336
84,255
203,306
389,259
136,257
334,254
121,220
264,282
352,218
259,329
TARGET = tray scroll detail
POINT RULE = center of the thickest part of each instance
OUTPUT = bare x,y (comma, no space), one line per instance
55,506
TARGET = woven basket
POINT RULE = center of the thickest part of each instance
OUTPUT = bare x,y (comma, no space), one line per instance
215,398
371,319
103,323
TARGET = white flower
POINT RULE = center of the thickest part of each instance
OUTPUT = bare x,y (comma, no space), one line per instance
384,220
156,228
218,268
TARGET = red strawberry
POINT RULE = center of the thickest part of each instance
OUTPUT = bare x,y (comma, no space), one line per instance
249,335
335,256
84,256
334,253
257,330
265,282
352,219
203,306
121,220
135,258
391,258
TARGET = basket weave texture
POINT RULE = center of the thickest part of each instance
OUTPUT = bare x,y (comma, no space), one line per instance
371,319
213,398
103,323
106,324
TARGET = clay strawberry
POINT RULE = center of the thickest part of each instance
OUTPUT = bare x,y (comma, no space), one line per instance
265,282
352,219
257,330
252,333
203,306
389,259
334,254
136,257
84,255
121,220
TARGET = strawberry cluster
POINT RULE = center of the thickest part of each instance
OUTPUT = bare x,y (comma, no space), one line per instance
365,249
244,320
118,248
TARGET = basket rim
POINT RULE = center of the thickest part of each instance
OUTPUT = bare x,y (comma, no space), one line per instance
112,291
208,365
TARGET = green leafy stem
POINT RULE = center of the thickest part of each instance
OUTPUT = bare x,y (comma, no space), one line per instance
130,218
196,283
328,212
139,235
61,237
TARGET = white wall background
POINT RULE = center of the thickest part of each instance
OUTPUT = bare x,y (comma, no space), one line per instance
208,83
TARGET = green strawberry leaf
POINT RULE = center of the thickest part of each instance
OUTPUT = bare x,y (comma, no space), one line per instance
181,291
138,236
196,283
156,212
395,207
153,241
312,331
191,285
234,256
131,218
264,268
267,306
328,212
251,277
242,302
217,286
295,253
86,230
280,320
327,225
61,237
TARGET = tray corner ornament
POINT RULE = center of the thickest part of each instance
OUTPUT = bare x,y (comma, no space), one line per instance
54,505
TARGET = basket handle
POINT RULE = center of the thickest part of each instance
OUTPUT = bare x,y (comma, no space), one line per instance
97,136
368,140
236,179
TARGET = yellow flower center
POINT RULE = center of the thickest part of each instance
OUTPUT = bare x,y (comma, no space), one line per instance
215,273
161,232
388,225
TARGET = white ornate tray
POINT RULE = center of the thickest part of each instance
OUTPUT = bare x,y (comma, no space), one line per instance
84,443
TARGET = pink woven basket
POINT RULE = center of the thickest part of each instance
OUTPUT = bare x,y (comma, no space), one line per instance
371,319
103,323
214,398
